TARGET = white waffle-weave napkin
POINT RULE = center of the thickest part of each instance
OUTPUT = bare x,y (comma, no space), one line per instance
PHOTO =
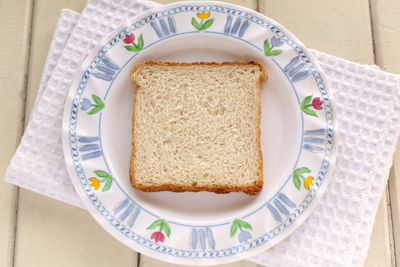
368,109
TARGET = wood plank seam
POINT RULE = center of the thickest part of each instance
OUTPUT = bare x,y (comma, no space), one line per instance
394,201
372,31
26,72
139,255
21,126
14,226
391,232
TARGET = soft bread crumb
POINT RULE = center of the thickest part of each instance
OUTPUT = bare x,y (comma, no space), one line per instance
196,127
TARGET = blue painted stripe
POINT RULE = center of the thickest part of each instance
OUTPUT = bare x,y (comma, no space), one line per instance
274,213
314,140
109,63
120,206
300,76
236,25
126,212
171,22
102,76
286,200
228,24
89,147
156,29
296,69
291,64
315,132
313,148
244,28
280,207
193,239
164,27
92,155
133,217
88,139
210,238
202,236
106,70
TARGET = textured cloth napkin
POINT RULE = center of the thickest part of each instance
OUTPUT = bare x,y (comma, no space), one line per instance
337,232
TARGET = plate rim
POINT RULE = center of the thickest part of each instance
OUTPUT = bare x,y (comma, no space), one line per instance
198,261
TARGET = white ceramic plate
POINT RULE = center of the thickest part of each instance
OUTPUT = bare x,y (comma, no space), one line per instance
297,128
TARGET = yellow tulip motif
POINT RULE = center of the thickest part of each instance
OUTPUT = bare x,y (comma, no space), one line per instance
95,183
105,178
308,182
298,176
204,21
203,15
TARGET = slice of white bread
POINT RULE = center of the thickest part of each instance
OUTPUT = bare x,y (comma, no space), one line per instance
196,127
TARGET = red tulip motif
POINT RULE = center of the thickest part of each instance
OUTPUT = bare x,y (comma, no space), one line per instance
317,103
158,237
129,38
163,226
132,46
308,103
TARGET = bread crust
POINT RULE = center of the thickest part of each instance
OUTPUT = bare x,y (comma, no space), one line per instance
251,189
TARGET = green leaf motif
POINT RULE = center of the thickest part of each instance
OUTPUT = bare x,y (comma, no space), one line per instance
207,24
306,101
196,24
108,184
167,228
140,42
246,225
267,48
101,173
271,53
237,223
302,170
234,228
296,181
305,104
136,47
97,100
132,48
96,107
94,110
155,224
297,174
163,224
309,111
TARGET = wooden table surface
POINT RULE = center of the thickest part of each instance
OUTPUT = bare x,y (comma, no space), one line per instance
39,231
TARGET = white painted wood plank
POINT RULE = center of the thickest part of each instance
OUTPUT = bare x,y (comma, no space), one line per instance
15,26
150,262
341,28
247,3
49,232
379,255
386,29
